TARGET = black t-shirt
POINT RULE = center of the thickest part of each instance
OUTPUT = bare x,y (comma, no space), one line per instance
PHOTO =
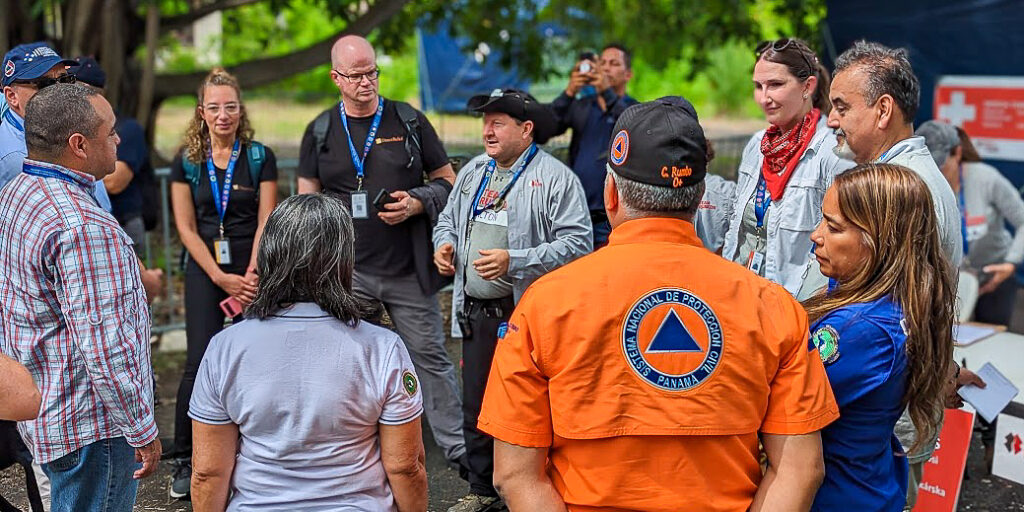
380,249
242,216
133,151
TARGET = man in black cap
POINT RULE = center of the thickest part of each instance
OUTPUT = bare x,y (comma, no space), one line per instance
645,373
514,214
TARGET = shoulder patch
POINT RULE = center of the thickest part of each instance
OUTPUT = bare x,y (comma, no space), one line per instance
826,339
410,383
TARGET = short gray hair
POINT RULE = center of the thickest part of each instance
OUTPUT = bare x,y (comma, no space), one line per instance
642,197
56,113
888,71
306,254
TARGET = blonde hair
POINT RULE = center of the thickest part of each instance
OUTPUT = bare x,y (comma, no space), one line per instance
197,135
893,209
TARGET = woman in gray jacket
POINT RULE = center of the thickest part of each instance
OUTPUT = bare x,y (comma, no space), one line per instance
987,202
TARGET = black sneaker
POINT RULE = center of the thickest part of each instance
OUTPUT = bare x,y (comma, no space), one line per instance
181,479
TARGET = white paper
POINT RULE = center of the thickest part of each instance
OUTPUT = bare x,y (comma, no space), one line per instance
991,400
966,334
1008,461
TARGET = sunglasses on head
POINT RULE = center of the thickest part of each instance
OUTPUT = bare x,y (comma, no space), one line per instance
43,82
781,45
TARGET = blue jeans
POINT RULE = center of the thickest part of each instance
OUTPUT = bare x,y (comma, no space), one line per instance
95,478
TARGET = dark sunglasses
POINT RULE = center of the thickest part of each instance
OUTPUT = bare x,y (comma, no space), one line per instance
781,45
44,82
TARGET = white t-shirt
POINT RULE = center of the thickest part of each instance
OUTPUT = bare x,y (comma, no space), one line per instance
307,393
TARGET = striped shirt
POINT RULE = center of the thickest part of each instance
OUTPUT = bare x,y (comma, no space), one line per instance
74,313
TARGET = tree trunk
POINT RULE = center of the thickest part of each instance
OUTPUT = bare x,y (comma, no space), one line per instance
149,64
112,52
80,16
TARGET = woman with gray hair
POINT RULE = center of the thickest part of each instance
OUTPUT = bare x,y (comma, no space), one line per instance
987,202
302,406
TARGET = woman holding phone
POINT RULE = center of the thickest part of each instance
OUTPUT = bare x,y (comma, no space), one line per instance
224,186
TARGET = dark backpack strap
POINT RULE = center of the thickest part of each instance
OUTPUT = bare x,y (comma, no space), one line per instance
191,173
320,125
411,120
257,154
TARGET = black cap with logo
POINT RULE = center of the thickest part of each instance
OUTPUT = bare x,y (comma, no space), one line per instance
660,143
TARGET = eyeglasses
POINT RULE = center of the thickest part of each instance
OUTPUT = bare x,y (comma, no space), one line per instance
44,82
231,109
357,78
780,45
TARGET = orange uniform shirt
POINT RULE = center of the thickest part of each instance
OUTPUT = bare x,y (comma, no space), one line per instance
648,368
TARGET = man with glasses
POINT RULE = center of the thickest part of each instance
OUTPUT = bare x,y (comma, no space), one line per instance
27,68
373,152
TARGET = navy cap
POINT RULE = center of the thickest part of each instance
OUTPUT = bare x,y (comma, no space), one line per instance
660,143
29,61
87,70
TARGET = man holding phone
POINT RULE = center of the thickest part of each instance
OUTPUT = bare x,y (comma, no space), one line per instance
514,214
592,102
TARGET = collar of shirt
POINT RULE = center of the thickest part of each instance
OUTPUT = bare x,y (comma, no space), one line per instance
901,147
655,229
81,178
302,310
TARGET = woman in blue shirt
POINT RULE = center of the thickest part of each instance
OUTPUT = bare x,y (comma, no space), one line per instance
884,332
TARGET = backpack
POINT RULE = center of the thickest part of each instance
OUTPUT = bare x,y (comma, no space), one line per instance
406,114
256,155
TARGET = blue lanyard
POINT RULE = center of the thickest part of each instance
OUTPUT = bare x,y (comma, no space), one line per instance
46,172
762,200
489,171
222,202
372,134
963,210
10,118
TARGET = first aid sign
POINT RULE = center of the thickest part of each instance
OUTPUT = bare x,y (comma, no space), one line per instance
989,108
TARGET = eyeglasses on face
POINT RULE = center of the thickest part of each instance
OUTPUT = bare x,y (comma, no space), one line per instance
357,78
231,109
45,81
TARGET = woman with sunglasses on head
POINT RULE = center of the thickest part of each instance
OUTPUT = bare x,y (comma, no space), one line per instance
883,331
224,186
784,170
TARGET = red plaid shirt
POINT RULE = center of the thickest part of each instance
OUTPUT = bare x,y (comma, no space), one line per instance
74,313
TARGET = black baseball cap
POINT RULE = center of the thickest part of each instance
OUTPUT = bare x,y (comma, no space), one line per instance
520,105
660,143
87,70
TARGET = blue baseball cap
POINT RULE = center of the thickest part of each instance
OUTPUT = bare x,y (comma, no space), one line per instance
87,70
30,61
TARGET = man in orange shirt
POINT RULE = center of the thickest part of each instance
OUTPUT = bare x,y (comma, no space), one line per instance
641,377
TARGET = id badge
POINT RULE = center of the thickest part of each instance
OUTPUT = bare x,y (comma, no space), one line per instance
360,205
222,251
755,262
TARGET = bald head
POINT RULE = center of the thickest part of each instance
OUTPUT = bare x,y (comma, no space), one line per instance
352,52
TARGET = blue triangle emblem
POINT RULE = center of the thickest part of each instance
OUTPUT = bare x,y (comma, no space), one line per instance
672,336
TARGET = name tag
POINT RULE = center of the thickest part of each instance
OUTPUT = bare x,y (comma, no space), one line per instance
755,262
493,218
222,251
359,205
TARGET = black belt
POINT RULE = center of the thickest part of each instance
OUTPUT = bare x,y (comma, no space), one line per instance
493,308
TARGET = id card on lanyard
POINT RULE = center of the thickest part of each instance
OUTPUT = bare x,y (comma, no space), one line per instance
762,200
221,247
360,201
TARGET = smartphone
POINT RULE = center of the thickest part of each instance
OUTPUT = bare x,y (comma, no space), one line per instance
587,60
383,198
231,307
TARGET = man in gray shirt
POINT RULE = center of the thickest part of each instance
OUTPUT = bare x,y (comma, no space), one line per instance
875,96
514,214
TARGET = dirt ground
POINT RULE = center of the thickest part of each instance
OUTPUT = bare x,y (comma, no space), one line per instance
980,492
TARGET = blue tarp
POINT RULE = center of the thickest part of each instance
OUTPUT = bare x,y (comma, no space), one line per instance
948,37
449,76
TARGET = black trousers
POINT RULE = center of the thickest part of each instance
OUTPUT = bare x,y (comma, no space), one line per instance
483,317
996,307
203,319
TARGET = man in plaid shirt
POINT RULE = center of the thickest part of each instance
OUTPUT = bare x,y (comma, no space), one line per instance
74,309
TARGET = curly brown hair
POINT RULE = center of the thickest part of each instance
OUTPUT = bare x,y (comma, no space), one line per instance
197,135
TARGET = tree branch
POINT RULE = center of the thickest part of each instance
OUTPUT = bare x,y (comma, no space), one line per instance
184,20
263,71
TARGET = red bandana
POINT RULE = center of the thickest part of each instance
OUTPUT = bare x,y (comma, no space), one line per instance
782,151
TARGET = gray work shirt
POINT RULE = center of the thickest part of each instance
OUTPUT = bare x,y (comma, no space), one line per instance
991,201
489,230
548,224
308,394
